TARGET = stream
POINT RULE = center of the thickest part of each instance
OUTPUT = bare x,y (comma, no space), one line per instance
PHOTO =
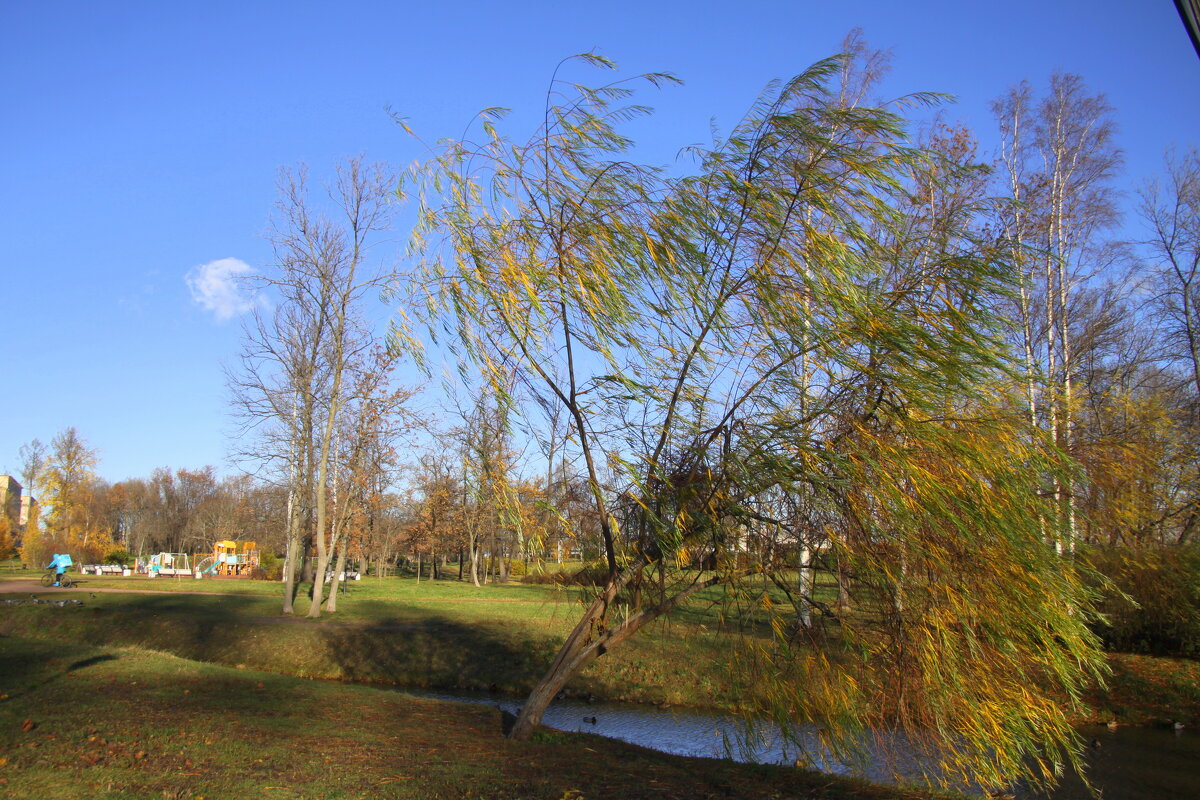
1129,763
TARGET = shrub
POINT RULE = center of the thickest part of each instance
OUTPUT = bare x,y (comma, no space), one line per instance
1153,603
270,567
540,577
36,549
119,556
587,575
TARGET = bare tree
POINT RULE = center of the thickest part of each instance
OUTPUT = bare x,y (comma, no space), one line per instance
296,358
1171,209
373,421
33,464
487,463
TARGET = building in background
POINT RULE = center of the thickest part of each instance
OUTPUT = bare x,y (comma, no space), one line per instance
30,508
10,500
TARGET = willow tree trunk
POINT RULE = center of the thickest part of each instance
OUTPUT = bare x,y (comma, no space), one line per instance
589,640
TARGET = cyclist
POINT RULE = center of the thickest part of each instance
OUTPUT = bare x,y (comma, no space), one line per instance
59,564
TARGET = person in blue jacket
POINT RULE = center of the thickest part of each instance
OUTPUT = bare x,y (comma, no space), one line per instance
59,564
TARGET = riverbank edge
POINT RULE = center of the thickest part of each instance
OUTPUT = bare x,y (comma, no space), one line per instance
124,722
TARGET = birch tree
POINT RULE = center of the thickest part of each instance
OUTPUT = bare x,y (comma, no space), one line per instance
1060,159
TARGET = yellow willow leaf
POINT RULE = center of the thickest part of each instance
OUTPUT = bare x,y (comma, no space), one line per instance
683,557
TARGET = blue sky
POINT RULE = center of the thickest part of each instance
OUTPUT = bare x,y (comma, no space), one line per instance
140,141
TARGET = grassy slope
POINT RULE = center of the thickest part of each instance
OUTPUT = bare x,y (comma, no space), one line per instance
105,722
439,634
205,730
450,635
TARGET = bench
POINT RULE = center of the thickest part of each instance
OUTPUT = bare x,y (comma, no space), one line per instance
346,576
102,569
175,571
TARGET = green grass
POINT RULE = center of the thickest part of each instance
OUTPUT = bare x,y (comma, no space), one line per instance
1148,690
110,722
199,695
442,634
450,635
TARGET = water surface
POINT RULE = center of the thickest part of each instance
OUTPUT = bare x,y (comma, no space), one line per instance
1129,763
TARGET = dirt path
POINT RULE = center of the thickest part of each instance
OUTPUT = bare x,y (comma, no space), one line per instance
33,586
27,587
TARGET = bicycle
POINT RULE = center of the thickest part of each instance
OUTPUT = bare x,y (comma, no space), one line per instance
49,577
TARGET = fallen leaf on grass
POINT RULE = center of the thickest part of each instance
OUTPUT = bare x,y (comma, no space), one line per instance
28,725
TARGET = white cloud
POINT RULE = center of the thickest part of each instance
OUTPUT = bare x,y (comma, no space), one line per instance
215,287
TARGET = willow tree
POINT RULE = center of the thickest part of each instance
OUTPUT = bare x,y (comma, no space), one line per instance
774,364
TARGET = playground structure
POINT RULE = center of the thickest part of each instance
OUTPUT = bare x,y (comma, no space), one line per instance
164,564
229,559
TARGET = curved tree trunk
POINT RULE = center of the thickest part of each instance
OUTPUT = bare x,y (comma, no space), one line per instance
590,640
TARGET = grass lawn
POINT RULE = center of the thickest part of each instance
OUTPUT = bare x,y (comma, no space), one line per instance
439,634
113,722
174,694
450,635
1145,690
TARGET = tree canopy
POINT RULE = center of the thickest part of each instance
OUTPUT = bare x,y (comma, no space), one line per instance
786,380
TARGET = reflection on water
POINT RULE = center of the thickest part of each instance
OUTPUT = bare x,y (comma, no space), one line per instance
1138,764
682,732
1126,764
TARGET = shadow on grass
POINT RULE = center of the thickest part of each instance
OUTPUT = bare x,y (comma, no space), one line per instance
204,628
204,614
29,668
435,653
91,662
